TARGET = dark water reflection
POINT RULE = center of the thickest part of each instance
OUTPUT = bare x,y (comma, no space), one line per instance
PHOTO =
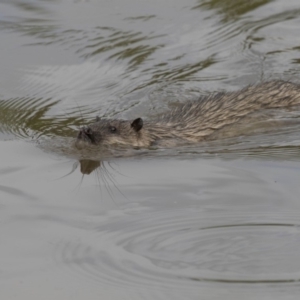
218,220
231,10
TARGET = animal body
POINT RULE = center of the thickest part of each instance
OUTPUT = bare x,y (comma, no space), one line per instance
193,121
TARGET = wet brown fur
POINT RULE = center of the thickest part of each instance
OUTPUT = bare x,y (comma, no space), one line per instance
193,121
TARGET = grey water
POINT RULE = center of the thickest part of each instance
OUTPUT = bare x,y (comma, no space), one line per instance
218,220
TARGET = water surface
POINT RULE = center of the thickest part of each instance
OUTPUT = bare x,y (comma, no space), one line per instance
218,220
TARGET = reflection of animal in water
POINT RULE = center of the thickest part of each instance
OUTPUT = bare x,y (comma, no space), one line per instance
193,121
104,172
87,166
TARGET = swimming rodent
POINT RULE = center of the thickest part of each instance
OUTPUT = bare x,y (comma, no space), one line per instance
193,121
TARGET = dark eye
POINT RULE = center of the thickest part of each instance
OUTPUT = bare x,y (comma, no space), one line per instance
88,131
113,129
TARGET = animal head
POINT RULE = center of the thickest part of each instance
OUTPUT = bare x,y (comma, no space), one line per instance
109,132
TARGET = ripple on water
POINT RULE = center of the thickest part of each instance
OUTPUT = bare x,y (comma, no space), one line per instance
28,117
175,250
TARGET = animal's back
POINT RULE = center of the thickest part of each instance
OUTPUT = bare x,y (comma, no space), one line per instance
195,120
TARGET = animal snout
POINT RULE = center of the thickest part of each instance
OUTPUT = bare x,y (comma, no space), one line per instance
86,134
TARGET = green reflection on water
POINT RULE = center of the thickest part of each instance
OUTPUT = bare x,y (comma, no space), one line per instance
27,117
231,9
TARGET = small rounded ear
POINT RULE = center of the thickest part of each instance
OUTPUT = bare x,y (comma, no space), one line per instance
137,124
